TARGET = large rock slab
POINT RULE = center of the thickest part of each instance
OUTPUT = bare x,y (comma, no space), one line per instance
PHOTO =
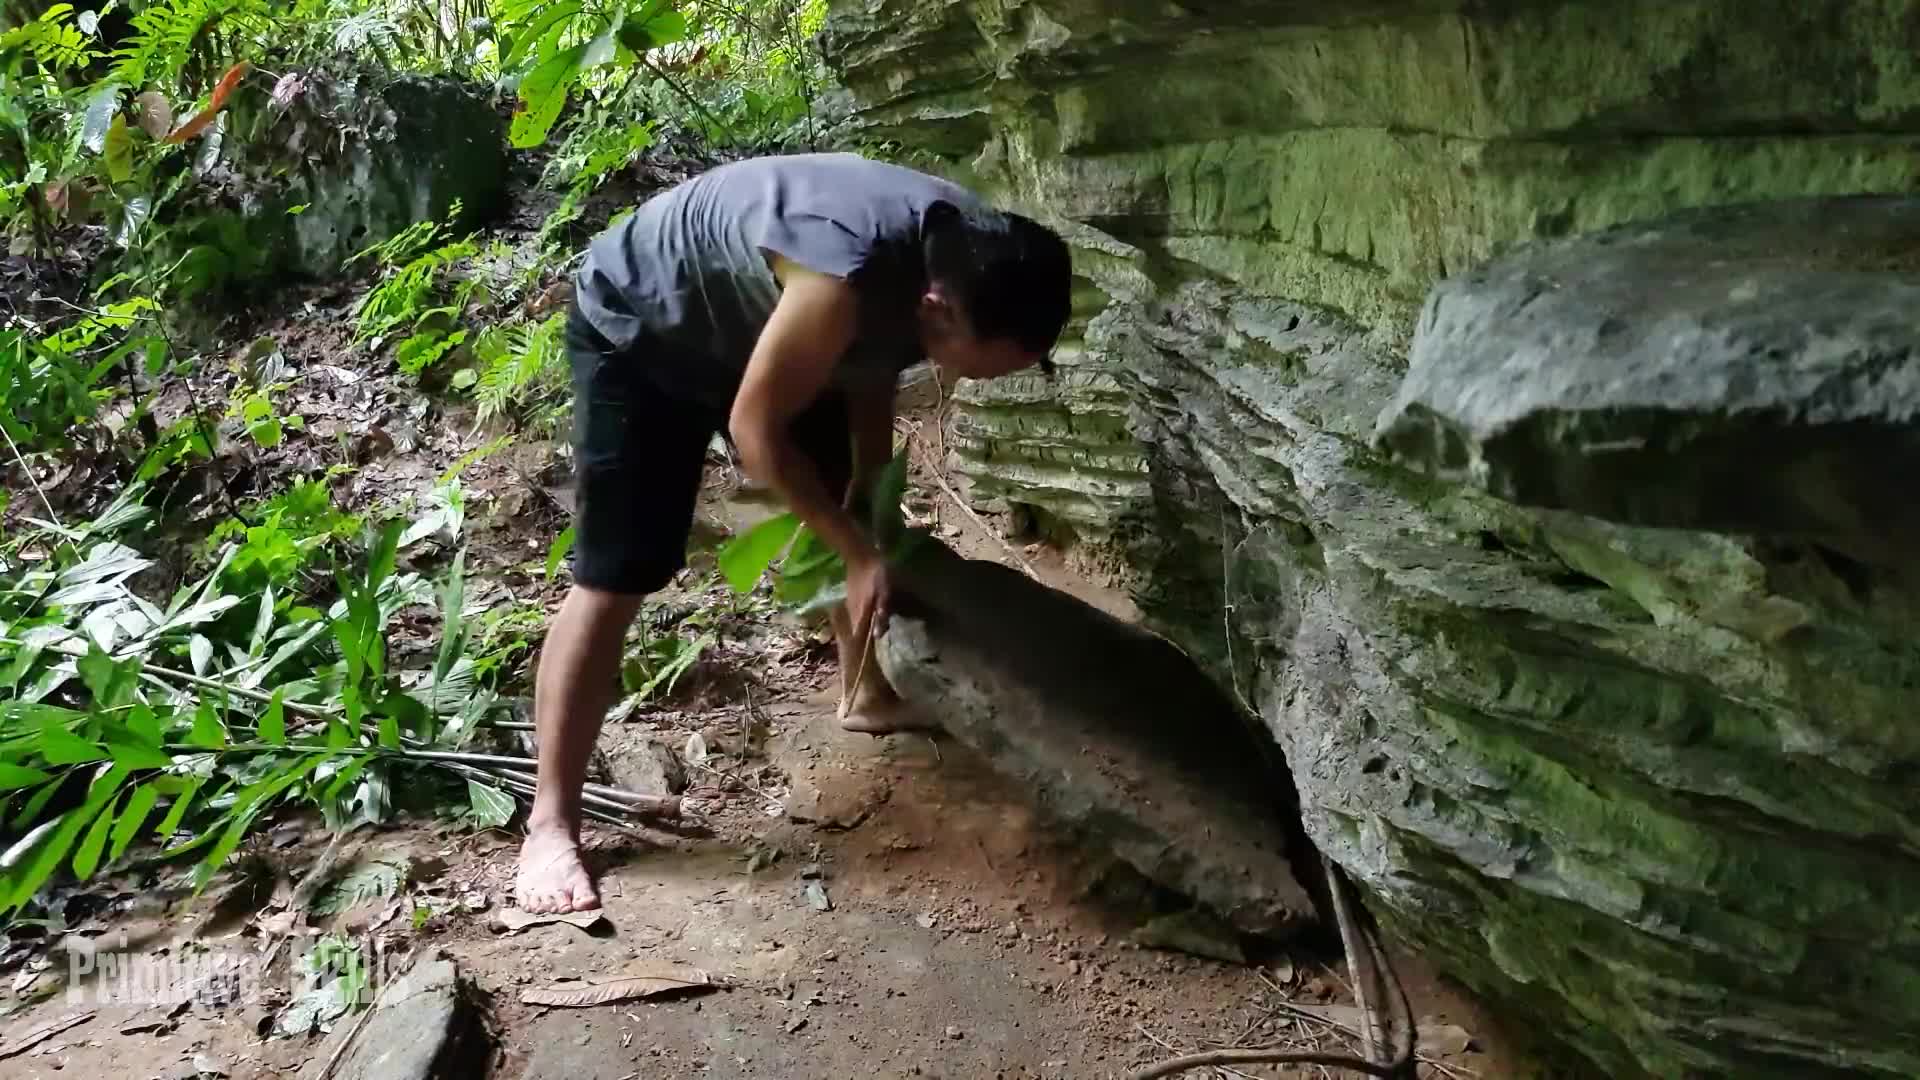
1745,369
1116,732
1649,790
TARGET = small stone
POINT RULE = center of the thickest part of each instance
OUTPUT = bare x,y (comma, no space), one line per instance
830,955
817,897
812,872
794,1025
926,921
1011,931
955,1033
1073,966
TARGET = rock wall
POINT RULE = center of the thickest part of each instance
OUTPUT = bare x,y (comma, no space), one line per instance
1653,789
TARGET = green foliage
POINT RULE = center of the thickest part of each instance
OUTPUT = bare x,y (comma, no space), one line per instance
413,293
807,573
520,367
557,45
369,879
211,709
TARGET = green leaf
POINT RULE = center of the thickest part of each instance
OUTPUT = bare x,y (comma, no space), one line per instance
273,722
38,866
86,857
262,624
62,747
14,777
526,40
134,815
247,807
119,151
136,756
543,93
30,812
207,728
397,712
103,108
144,725
200,651
110,681
886,518
488,805
557,553
746,557
177,811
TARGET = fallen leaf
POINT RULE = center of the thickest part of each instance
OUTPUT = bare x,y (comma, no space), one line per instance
42,1033
156,115
1449,1039
513,920
620,988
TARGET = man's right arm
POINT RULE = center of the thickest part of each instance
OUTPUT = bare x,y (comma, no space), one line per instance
810,329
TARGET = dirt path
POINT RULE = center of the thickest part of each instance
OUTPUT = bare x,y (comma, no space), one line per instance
962,942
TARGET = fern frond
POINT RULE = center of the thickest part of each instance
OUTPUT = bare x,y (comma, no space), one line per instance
521,365
170,35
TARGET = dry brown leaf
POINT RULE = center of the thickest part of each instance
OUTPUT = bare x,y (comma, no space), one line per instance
513,920
620,988
156,115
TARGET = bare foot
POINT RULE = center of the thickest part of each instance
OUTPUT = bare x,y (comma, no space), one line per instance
552,879
877,710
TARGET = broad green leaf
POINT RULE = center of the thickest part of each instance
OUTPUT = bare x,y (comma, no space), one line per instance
119,151
86,857
13,777
110,681
134,815
273,722
136,756
35,868
207,729
557,553
62,747
144,725
543,93
488,805
549,19
400,712
746,557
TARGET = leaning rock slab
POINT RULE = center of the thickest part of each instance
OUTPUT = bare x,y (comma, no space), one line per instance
424,1027
1116,733
1749,369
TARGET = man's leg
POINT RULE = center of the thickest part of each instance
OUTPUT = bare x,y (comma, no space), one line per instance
571,694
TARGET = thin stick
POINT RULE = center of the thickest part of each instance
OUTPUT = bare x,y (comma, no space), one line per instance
1020,560
860,666
340,1051
1350,940
31,479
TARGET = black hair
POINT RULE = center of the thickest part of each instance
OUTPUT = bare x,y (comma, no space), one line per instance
1011,275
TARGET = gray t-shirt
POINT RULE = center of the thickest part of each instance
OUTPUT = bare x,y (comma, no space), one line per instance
684,284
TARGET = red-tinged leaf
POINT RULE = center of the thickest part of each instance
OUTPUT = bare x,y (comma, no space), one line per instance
221,92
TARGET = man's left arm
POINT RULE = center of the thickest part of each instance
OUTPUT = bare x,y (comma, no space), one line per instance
870,405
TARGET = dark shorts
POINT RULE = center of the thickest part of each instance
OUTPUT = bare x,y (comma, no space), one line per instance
638,455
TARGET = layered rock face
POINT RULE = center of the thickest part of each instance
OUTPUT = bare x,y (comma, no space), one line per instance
1581,604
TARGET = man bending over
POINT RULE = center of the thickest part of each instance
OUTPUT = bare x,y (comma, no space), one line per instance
777,300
